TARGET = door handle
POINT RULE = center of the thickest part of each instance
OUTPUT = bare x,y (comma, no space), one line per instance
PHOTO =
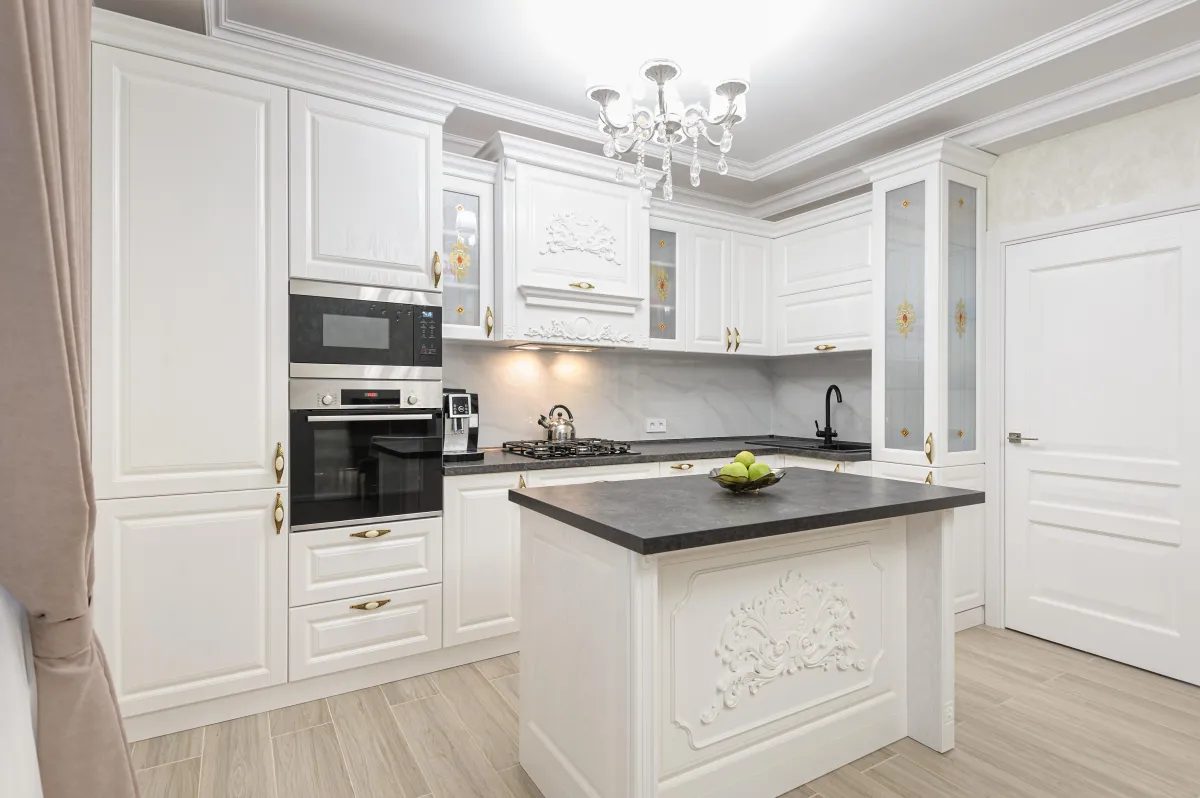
929,478
489,321
278,513
1016,437
825,347
837,468
437,269
521,483
728,339
370,605
370,534
684,467
929,448
737,336
279,461
583,286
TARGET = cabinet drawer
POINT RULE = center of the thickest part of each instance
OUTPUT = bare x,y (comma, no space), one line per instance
331,564
824,320
340,635
684,467
793,461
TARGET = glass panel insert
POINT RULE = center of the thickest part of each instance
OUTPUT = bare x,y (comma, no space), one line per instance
460,246
904,341
663,285
961,349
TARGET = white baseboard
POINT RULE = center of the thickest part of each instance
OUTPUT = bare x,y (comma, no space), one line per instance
968,618
203,713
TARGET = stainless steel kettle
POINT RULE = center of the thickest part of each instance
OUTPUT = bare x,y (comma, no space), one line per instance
557,427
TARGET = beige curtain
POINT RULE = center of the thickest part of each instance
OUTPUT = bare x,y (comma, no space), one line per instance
47,509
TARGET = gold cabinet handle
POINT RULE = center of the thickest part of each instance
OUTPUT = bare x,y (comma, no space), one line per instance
278,513
684,466
584,286
837,468
489,321
521,483
370,533
437,269
929,478
279,462
929,448
737,337
370,605
728,339
825,347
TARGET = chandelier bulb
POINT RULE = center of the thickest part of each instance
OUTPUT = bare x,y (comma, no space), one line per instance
620,173
726,141
610,149
722,167
694,172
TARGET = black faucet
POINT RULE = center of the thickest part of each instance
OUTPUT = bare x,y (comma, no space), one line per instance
828,433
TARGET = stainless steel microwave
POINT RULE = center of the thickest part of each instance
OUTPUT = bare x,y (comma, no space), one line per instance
364,332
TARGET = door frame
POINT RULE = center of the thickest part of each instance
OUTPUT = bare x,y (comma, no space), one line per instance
994,285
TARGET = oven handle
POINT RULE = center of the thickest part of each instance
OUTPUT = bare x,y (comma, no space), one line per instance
375,417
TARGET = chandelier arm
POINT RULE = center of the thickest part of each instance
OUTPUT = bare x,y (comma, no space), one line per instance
621,151
620,130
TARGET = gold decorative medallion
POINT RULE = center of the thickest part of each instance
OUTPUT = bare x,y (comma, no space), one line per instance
961,202
460,260
904,432
460,308
904,204
905,318
960,433
662,326
661,284
960,318
662,242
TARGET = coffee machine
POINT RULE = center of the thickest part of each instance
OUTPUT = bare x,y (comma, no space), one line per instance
461,426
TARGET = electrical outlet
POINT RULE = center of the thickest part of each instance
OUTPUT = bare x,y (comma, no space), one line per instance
656,425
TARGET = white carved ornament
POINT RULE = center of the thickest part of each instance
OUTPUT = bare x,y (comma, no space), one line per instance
582,329
570,232
795,625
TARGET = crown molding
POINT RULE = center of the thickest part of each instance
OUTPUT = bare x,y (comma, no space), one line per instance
708,217
939,150
465,142
506,148
468,168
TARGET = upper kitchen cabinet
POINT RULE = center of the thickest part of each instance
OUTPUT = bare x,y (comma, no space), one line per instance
572,245
750,295
927,257
365,188
670,243
707,302
468,244
189,286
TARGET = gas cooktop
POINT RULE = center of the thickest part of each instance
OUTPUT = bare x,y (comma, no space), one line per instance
580,447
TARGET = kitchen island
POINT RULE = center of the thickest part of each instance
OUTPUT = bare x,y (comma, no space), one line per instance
682,641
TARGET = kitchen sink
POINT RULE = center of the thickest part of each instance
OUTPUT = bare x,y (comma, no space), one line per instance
811,444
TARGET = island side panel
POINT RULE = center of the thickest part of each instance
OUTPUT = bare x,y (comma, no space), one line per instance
931,629
783,658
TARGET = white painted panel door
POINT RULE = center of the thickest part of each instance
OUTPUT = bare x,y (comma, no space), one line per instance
482,582
1102,351
366,188
709,326
751,295
823,257
189,281
191,596
825,320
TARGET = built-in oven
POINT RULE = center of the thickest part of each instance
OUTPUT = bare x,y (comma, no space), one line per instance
364,451
364,332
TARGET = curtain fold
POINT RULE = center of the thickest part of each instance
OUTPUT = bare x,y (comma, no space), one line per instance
46,492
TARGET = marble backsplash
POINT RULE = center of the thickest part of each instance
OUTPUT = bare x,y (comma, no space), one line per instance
612,393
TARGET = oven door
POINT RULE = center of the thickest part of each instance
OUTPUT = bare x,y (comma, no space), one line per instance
355,466
357,332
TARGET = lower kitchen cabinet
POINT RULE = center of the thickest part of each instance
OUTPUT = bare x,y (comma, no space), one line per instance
191,595
340,635
794,461
482,551
580,476
684,468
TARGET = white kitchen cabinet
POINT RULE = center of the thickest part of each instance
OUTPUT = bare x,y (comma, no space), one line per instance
817,463
365,188
860,467
482,534
340,635
572,246
685,467
707,309
927,257
969,524
579,476
189,282
670,269
750,295
191,595
468,248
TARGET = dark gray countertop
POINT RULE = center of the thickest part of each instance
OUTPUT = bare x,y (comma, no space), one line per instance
652,516
496,461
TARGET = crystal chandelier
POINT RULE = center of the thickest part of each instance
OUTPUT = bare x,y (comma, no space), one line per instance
667,127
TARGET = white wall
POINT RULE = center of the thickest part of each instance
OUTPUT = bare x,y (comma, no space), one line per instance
612,393
1131,158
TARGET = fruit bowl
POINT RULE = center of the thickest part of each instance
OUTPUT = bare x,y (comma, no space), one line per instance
742,484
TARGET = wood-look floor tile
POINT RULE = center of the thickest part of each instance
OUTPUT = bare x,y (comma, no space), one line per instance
1143,684
237,760
519,784
412,689
909,780
490,719
1039,666
447,753
499,667
995,675
872,759
380,763
972,698
166,749
1053,655
799,792
309,764
972,775
510,688
846,782
301,716
176,780
1164,714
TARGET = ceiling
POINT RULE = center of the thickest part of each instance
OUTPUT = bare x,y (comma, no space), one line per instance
833,82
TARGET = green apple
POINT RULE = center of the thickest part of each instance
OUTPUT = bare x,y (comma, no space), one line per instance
759,470
735,470
745,458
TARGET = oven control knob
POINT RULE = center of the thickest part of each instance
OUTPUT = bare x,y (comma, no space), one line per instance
327,399
413,399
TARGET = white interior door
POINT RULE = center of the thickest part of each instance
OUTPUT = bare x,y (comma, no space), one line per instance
1102,550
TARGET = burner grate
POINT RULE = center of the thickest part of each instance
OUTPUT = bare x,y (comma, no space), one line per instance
580,447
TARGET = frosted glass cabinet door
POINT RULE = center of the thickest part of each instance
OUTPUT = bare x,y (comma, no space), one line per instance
961,349
467,281
904,322
664,286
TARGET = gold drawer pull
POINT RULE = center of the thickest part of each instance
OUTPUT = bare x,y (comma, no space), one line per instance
279,462
929,448
825,347
584,286
278,513
370,605
728,339
737,336
684,466
437,269
929,478
521,483
370,533
489,321
837,468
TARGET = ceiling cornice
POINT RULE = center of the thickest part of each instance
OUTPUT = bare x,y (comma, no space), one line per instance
510,147
468,168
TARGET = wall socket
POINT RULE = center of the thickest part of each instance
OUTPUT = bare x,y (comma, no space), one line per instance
656,425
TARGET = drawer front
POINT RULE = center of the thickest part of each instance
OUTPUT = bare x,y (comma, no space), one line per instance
684,467
342,563
830,319
793,461
340,635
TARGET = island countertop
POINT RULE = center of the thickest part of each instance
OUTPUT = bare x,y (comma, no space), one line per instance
652,516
